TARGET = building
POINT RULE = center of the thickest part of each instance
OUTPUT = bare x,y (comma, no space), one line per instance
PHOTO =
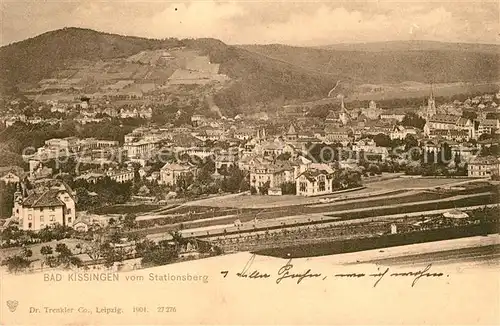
273,175
141,149
400,132
488,126
313,182
431,106
484,167
121,175
12,174
368,146
46,208
224,160
68,144
392,116
445,123
170,173
292,134
372,112
338,135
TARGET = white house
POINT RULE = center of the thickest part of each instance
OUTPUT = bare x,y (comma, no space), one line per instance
484,167
46,208
170,173
313,182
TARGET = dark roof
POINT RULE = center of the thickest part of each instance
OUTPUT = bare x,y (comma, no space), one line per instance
444,118
45,199
312,174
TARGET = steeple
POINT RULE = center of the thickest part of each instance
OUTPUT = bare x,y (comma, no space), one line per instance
431,105
18,194
344,114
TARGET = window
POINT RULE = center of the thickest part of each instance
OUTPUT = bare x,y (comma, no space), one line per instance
303,186
41,209
53,209
68,211
322,185
29,225
30,217
41,218
52,218
69,219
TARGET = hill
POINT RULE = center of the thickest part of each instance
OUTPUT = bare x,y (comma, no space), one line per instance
254,77
39,57
394,62
258,73
415,45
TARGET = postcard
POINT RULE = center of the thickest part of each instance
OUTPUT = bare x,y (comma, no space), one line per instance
249,162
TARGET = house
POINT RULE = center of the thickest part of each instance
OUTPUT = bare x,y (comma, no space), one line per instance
171,172
392,116
44,208
224,160
244,133
488,126
141,149
368,146
121,175
313,182
338,135
450,134
400,132
448,122
90,177
12,174
274,175
248,161
484,167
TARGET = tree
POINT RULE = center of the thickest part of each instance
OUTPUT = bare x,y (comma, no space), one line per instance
413,120
6,199
264,189
288,188
16,263
26,252
382,140
183,182
46,250
129,221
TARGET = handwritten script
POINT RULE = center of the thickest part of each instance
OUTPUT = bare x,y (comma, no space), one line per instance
289,273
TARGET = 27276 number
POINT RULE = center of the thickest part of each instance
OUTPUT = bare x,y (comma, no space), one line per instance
166,309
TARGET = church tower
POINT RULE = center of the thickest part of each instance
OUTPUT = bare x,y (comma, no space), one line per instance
18,201
344,115
431,105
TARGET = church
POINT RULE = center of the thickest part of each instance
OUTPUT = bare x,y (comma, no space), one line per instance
446,126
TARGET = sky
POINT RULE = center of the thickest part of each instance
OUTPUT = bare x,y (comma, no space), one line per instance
301,23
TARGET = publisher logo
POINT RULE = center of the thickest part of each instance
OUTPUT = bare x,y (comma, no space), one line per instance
12,304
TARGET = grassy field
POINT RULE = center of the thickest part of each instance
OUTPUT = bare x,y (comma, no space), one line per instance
125,209
407,183
265,202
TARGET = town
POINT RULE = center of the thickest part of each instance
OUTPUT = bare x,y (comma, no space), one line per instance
118,185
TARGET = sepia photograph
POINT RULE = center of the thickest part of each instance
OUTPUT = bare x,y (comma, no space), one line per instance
249,162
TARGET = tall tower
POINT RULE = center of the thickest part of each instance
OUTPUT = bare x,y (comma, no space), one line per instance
431,105
18,201
344,115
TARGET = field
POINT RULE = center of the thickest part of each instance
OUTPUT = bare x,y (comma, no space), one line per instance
35,248
409,183
374,188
